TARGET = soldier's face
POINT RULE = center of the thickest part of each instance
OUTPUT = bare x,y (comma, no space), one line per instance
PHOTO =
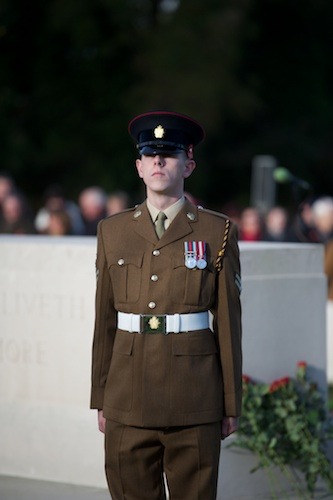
165,174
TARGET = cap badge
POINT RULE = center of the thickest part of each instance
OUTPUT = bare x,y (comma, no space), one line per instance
159,132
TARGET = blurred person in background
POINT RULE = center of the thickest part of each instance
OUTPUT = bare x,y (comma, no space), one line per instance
116,202
59,223
7,186
276,227
250,225
92,203
322,216
303,227
322,213
55,200
17,216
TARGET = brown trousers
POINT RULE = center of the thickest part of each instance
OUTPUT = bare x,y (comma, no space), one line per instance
136,458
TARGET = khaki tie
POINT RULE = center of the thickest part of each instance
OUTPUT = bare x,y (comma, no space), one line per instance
159,226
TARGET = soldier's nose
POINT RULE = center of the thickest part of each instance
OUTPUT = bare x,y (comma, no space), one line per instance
159,160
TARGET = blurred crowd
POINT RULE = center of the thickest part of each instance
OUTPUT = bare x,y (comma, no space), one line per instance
312,223
59,216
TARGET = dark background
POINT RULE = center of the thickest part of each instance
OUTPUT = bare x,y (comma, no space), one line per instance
258,74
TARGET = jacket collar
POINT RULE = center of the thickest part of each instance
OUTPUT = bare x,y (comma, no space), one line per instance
180,227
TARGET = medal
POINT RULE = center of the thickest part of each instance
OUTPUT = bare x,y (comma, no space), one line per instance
190,262
201,262
190,254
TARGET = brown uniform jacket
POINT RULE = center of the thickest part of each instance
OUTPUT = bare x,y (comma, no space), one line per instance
156,380
328,263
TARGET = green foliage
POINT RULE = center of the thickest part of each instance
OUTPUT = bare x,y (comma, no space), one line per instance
286,424
330,396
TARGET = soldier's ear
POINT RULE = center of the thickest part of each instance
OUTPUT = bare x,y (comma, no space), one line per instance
138,164
189,167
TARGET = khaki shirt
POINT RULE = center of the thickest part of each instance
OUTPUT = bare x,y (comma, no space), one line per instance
156,380
170,212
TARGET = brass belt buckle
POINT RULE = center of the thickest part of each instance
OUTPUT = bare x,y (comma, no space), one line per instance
151,323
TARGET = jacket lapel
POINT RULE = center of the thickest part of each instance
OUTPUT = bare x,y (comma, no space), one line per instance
143,225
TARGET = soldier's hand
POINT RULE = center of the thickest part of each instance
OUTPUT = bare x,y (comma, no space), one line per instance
229,425
101,421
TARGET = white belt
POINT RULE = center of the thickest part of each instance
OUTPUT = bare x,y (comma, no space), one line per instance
166,323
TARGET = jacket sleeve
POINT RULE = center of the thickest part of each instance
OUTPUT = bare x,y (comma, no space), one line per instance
328,267
105,325
227,325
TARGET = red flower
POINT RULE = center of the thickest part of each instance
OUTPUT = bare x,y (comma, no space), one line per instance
302,364
246,379
284,381
278,384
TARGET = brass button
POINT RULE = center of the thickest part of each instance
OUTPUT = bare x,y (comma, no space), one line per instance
156,253
121,262
154,277
151,305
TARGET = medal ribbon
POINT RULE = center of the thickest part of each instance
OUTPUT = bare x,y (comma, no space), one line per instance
195,254
201,250
190,248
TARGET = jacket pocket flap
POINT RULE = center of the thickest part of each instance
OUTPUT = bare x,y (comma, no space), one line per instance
124,259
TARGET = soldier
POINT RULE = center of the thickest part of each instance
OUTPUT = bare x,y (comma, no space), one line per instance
166,370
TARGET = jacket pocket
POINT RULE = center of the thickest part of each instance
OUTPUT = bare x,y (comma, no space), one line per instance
196,374
119,385
125,270
192,287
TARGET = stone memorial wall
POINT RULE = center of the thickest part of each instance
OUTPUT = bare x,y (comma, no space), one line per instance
47,288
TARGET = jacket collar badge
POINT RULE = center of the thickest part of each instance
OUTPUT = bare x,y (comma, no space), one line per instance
190,215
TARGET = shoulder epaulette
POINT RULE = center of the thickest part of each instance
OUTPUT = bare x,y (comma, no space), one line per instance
212,212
